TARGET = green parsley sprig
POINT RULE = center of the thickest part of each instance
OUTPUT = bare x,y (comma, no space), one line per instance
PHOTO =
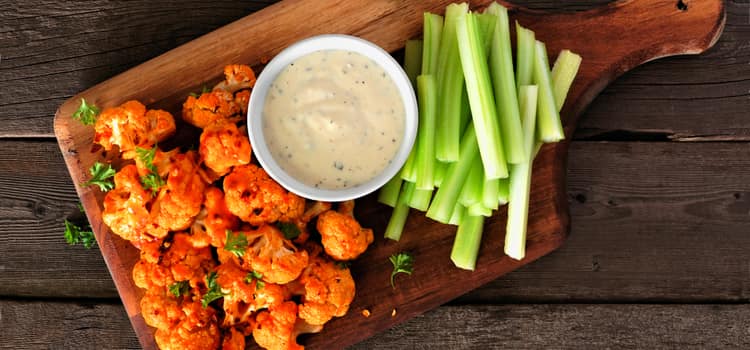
86,113
214,290
402,263
236,243
257,277
179,288
74,234
101,175
290,230
151,181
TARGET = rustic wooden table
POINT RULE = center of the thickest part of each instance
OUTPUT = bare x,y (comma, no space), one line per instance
658,183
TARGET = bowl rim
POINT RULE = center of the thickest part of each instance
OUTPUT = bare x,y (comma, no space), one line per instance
322,43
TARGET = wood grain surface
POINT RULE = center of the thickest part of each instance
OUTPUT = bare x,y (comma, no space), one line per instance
50,50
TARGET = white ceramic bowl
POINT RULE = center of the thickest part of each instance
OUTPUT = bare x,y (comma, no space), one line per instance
302,48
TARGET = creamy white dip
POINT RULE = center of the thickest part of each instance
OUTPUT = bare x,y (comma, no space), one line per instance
333,119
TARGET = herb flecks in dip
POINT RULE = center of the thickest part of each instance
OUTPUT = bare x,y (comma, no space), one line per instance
333,119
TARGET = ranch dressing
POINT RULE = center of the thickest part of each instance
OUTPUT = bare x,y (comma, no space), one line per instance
333,119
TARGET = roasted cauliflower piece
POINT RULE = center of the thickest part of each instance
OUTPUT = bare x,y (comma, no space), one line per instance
179,202
326,288
244,294
242,98
180,261
160,310
274,329
342,236
162,161
256,199
129,126
273,256
125,207
210,107
223,146
196,330
233,340
236,77
213,221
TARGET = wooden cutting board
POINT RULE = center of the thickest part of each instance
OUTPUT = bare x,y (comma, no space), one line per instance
611,40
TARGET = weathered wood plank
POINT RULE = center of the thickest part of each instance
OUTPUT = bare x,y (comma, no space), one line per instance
50,52
650,222
70,325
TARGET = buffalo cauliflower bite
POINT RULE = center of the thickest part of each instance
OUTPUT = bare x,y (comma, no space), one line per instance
341,235
233,340
326,288
244,295
242,98
256,199
236,77
210,107
160,310
129,126
162,161
222,146
273,256
274,329
214,220
196,330
180,261
179,202
125,207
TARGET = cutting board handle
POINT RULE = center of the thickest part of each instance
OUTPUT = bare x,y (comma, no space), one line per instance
620,36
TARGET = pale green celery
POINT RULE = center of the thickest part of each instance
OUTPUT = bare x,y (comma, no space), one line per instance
481,99
459,211
446,196
525,41
440,169
468,240
413,60
486,23
478,209
450,82
425,159
409,170
520,179
465,110
471,192
388,194
504,84
564,71
400,213
432,31
502,191
420,199
549,126
491,193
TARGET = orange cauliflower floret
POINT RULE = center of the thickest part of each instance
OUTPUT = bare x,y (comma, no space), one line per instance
342,236
223,146
273,256
214,220
233,340
210,107
253,196
125,207
274,328
160,310
162,161
236,77
180,261
242,98
196,330
326,288
180,200
129,126
244,294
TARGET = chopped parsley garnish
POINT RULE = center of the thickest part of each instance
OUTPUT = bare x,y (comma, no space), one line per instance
179,288
86,113
214,290
75,234
402,263
151,181
255,276
101,175
290,230
236,243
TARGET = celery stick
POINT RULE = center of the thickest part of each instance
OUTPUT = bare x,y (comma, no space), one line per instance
425,159
420,199
413,60
465,110
504,83
433,29
486,23
520,180
450,82
478,209
491,193
471,192
459,211
549,127
468,239
481,101
502,191
388,194
409,170
446,196
440,169
525,41
563,73
400,213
